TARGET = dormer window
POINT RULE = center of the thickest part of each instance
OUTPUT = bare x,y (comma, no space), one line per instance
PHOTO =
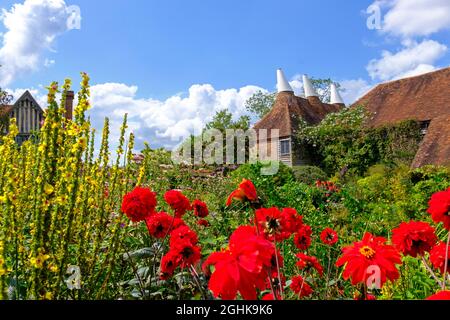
424,127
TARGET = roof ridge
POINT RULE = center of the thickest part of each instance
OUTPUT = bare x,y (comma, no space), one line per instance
414,76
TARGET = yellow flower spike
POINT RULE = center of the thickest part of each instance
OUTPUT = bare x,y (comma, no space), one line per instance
53,268
48,189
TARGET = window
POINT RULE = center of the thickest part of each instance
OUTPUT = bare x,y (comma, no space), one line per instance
424,127
285,146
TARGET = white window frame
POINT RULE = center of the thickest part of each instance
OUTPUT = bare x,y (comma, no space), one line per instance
281,148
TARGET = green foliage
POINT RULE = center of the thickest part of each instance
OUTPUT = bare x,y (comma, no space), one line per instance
322,87
309,174
342,140
260,103
223,120
389,195
5,98
265,184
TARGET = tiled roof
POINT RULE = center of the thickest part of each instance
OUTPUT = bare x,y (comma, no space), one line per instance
422,98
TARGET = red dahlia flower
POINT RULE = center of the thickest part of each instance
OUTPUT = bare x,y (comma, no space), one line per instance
178,202
240,268
443,295
269,297
275,280
245,191
302,239
414,238
139,204
272,223
437,256
181,234
370,252
439,208
329,236
178,222
292,221
169,263
276,262
203,223
188,253
308,262
200,209
300,287
158,224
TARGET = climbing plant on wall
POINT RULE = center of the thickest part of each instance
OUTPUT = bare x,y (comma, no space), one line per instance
343,140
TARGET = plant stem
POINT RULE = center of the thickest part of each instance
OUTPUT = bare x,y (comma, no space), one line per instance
447,248
280,284
197,281
431,271
328,273
141,285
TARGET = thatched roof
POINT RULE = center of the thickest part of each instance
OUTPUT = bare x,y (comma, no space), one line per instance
422,98
289,109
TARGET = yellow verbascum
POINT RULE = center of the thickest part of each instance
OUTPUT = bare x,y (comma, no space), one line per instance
56,201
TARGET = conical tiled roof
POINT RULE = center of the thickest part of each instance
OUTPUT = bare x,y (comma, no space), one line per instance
287,111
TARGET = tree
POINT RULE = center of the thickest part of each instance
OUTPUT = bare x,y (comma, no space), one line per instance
223,120
5,98
260,103
322,87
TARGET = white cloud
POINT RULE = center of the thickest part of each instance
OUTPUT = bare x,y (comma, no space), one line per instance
164,122
32,28
420,69
297,84
414,58
410,18
36,93
352,90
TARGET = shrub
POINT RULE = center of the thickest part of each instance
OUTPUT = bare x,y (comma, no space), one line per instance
309,174
266,184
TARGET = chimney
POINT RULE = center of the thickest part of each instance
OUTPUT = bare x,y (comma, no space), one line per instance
335,96
308,87
282,84
69,105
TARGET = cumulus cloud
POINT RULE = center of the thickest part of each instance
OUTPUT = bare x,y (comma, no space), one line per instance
36,93
297,85
31,30
413,59
352,90
411,18
164,123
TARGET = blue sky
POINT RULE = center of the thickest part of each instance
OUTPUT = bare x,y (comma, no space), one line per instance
144,55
